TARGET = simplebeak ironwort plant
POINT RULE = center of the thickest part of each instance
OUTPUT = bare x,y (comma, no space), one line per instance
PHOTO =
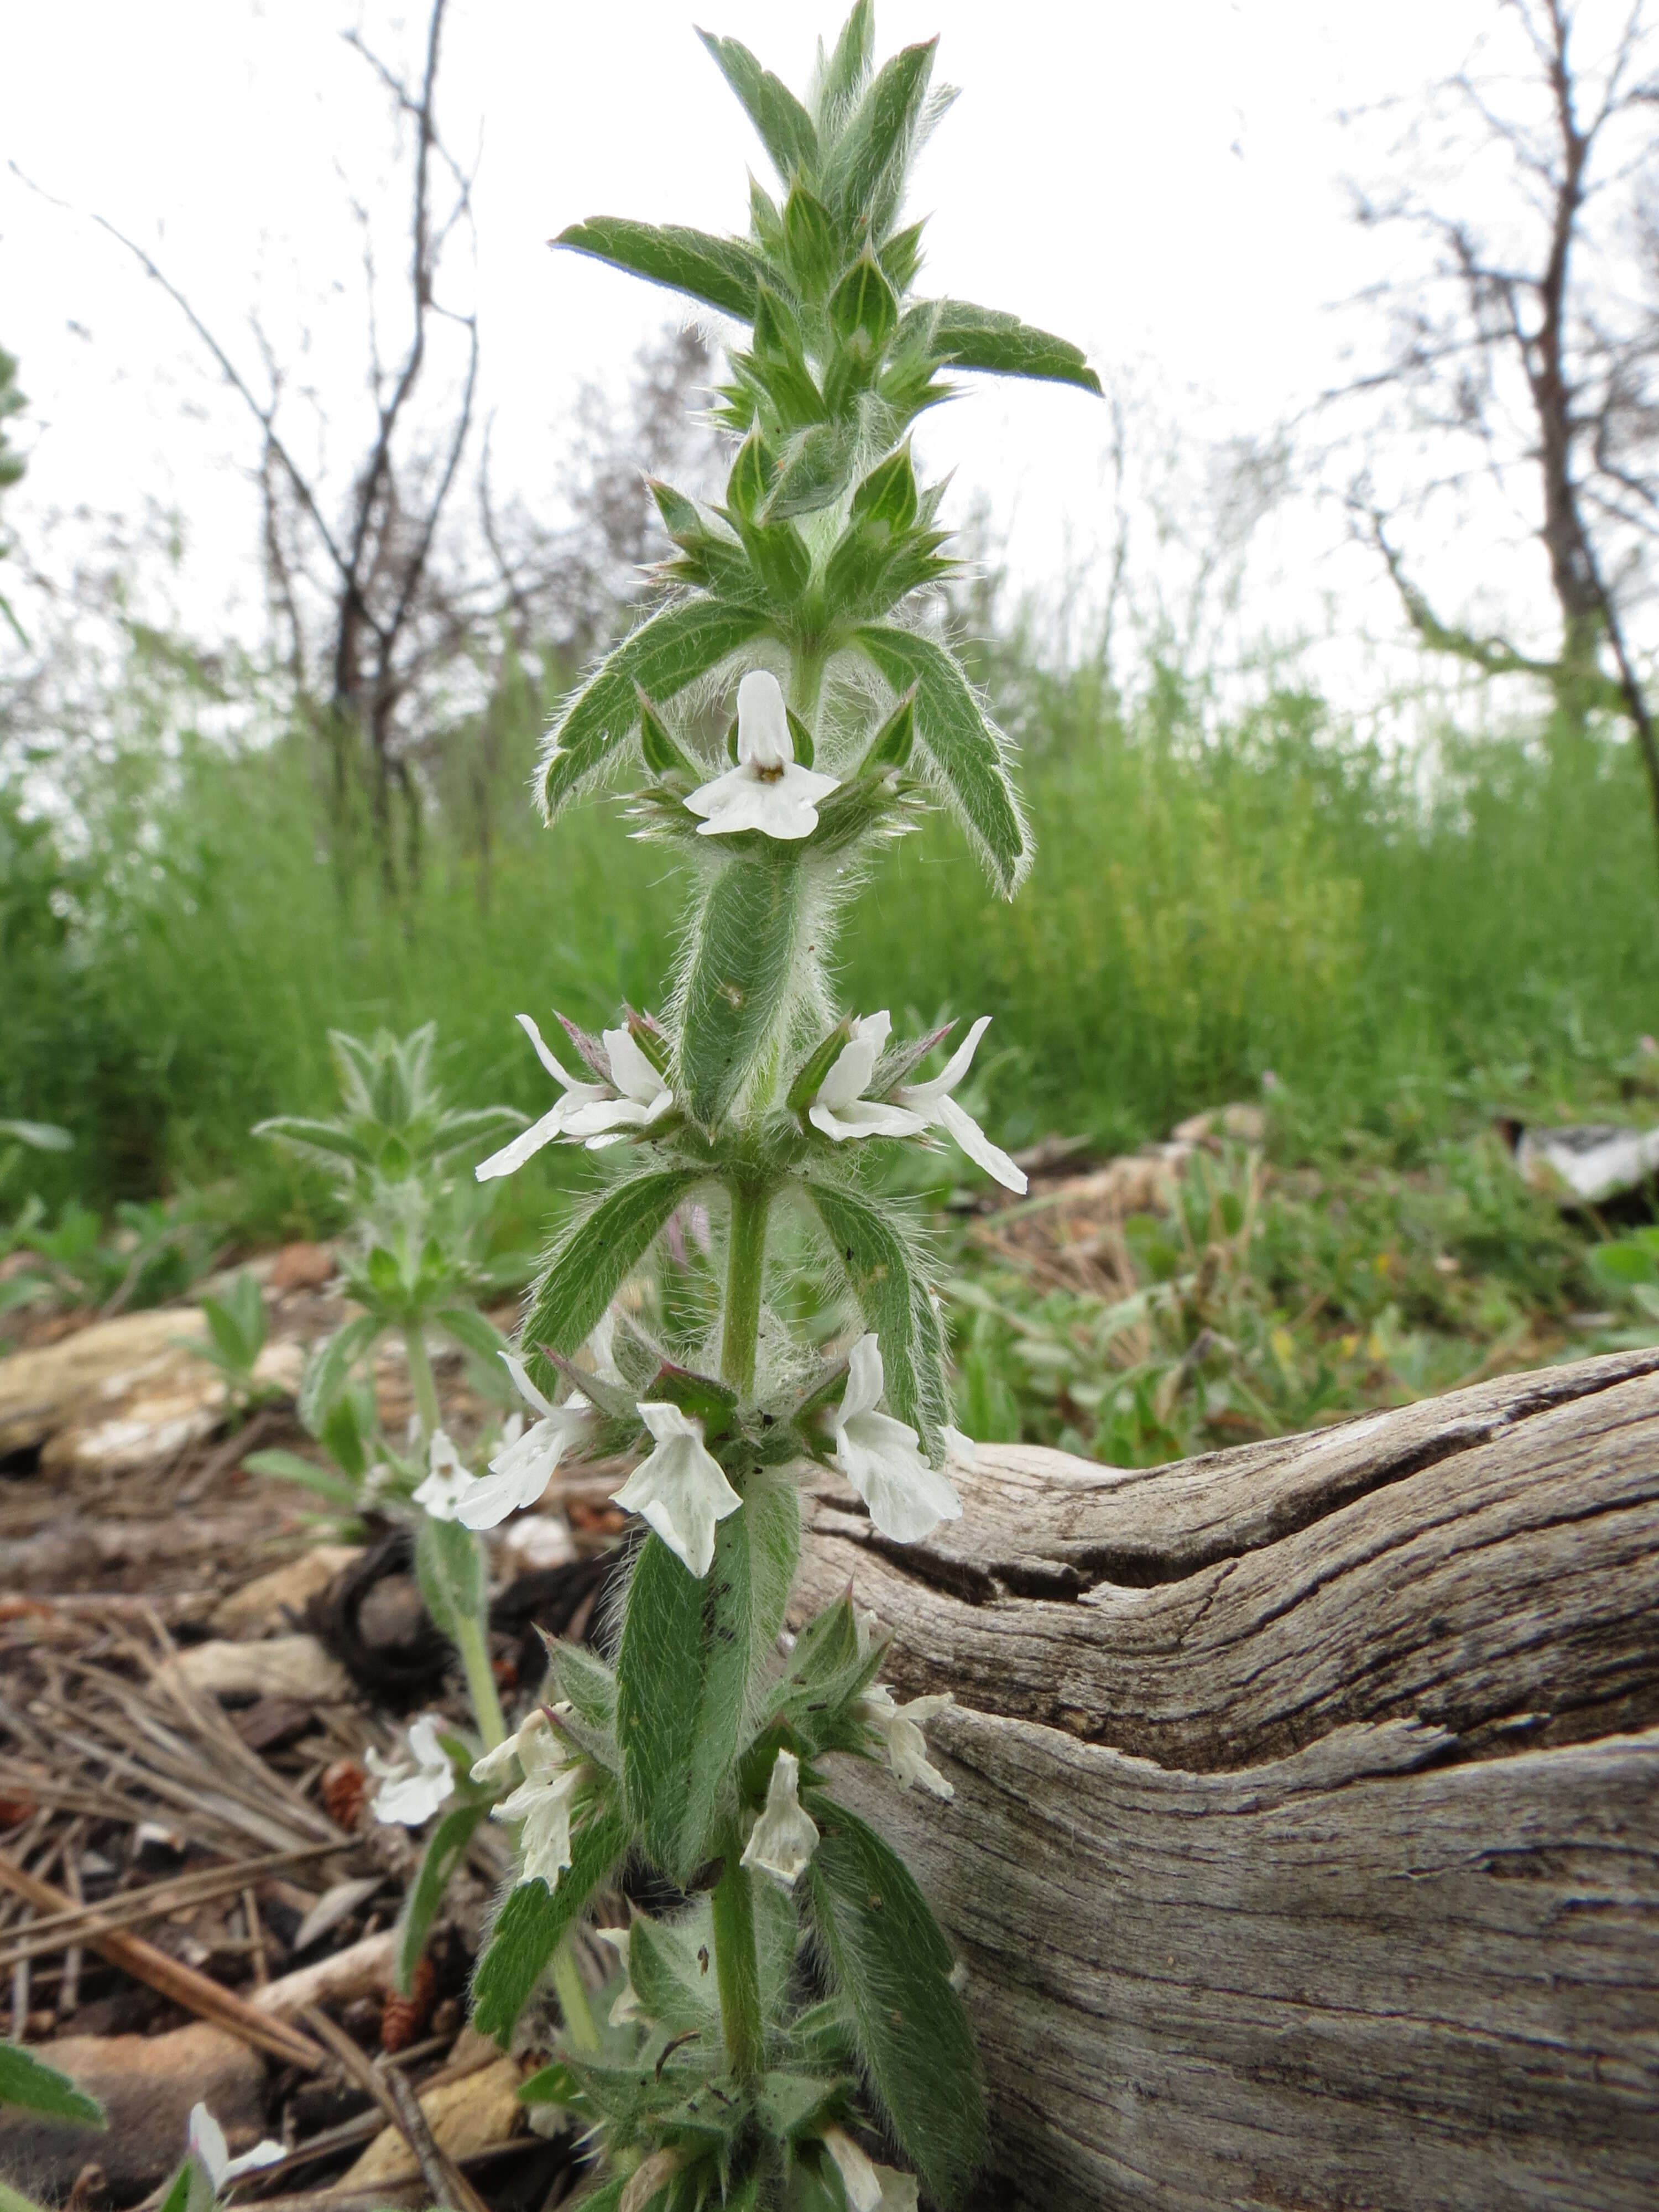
799,1989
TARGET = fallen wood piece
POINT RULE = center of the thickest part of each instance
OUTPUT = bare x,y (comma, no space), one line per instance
409,2121
182,1983
1305,1842
130,1908
357,1971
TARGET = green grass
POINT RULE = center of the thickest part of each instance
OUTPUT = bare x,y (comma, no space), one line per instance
1408,951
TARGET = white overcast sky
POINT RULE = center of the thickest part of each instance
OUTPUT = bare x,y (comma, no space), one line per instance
1161,183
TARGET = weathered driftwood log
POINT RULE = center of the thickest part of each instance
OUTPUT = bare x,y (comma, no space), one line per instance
1306,1845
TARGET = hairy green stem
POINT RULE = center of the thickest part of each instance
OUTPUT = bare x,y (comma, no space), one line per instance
471,1643
744,1266
805,683
737,1968
422,1383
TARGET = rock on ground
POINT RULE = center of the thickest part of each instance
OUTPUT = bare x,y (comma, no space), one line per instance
147,2085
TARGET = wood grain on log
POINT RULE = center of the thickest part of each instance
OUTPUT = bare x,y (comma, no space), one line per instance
1305,1846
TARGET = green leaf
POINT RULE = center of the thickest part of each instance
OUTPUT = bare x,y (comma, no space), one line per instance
811,245
590,1687
187,2190
736,991
28,2082
886,1954
964,747
845,75
317,1137
446,1849
592,1260
329,1370
786,129
888,494
662,656
812,469
881,1274
1001,344
901,257
721,270
289,1466
689,1655
535,1920
662,755
809,1078
893,743
469,1329
863,312
671,1965
863,175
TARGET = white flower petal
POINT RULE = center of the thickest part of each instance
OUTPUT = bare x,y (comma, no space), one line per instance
923,1094
866,1379
627,2005
900,1729
602,1113
880,1458
446,1480
565,1082
602,1343
681,1489
521,1382
855,1063
864,1117
764,735
961,1450
205,2140
859,2174
784,807
263,2153
979,1147
524,1146
633,1073
785,1837
408,1798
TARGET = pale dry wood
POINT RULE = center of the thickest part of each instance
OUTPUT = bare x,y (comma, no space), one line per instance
1305,1850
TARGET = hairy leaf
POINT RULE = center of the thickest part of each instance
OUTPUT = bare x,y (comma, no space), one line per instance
886,1954
28,2082
328,1371
786,129
446,1849
985,338
861,176
881,1273
689,1651
961,745
535,1920
667,652
736,990
721,270
592,1260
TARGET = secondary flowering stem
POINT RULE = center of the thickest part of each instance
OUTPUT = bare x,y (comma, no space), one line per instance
572,1993
481,1682
744,1266
737,1968
422,1384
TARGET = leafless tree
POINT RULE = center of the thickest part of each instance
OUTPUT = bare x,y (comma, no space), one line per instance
367,608
1528,341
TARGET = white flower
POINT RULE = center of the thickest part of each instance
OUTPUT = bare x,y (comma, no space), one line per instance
880,1457
207,2146
870,2187
933,1102
410,1795
602,1113
446,1480
681,1489
542,1801
523,1469
769,790
961,1451
627,2006
784,1837
899,1727
841,1110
